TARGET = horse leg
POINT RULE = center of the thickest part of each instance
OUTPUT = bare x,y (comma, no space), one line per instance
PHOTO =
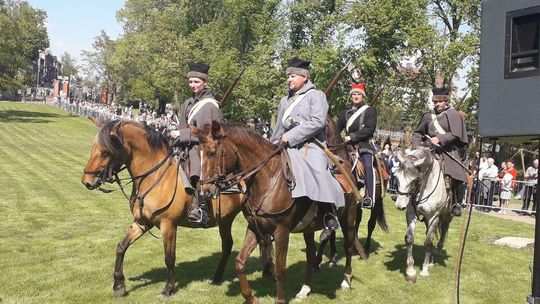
410,273
350,240
371,224
226,247
333,251
309,238
320,252
444,223
267,260
168,233
431,226
281,237
250,243
134,233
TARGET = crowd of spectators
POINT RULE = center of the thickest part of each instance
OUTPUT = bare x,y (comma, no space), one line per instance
492,183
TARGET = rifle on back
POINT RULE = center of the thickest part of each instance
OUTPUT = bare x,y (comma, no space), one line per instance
231,88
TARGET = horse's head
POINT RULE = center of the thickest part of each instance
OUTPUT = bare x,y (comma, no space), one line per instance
218,156
412,166
106,155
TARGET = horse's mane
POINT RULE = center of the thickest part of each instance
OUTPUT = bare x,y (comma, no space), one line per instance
243,133
111,143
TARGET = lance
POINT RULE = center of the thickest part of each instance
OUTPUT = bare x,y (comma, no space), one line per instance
347,67
231,88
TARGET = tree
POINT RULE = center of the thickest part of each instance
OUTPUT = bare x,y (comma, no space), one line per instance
441,36
23,34
69,64
97,62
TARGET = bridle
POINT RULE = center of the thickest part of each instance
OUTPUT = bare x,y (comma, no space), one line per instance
223,181
420,184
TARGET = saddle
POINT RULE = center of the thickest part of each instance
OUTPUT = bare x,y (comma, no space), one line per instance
379,169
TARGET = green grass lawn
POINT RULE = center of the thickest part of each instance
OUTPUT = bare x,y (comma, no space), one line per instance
58,240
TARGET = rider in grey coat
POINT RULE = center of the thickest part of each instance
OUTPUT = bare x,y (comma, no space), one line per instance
301,118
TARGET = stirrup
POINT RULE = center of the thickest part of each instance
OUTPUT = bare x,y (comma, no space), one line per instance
367,203
198,216
328,218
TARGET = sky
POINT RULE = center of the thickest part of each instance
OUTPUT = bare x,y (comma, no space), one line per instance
73,25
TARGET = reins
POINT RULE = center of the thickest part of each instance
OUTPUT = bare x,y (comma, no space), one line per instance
222,182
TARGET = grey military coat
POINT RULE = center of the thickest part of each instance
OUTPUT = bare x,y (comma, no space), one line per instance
454,138
205,115
310,165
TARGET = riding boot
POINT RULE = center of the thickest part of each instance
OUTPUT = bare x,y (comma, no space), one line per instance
331,223
199,206
459,195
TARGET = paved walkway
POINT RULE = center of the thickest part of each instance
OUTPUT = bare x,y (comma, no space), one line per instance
511,215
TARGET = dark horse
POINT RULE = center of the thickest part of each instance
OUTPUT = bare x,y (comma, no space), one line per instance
269,208
158,198
338,147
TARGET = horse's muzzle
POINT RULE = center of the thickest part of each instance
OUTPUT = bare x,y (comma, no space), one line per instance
89,186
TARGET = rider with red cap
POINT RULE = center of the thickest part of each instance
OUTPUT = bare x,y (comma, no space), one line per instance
359,122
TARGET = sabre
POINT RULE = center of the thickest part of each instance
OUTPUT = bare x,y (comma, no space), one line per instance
342,169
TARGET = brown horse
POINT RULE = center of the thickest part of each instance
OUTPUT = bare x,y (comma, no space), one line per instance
269,208
337,146
158,198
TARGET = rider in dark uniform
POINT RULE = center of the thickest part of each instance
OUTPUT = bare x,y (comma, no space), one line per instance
200,109
444,126
359,122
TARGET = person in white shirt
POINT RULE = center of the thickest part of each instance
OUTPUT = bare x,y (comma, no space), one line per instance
488,176
531,178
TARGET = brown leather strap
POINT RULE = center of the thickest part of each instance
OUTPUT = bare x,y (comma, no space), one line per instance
239,177
287,169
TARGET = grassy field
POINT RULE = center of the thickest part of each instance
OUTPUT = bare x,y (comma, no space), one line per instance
58,240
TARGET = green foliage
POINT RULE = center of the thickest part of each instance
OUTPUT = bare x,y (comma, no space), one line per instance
149,61
69,64
22,35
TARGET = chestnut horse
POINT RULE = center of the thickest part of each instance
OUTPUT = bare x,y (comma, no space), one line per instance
158,198
269,208
337,146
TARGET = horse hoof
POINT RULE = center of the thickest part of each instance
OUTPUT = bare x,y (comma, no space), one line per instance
304,292
165,293
346,283
120,292
332,264
213,281
424,273
411,278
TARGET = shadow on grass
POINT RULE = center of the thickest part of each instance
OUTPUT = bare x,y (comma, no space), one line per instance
190,271
375,246
399,258
326,282
26,116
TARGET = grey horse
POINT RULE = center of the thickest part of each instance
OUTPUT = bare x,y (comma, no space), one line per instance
422,192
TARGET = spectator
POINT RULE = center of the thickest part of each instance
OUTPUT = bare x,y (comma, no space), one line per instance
506,191
531,179
488,176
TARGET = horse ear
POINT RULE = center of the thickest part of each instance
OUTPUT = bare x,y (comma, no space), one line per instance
98,122
217,130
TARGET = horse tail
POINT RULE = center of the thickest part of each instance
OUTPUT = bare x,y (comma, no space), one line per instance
379,210
267,257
